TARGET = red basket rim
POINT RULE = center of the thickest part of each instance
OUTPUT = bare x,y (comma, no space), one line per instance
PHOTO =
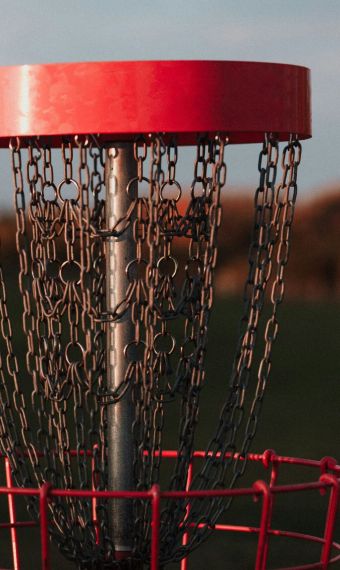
122,99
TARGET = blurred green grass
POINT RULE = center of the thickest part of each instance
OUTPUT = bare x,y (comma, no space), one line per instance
300,417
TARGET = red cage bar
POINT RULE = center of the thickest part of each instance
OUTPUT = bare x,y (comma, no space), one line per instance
329,473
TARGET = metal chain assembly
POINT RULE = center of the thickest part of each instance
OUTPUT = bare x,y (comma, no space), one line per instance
273,218
54,404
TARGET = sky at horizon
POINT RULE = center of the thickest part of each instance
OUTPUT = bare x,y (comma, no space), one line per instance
304,32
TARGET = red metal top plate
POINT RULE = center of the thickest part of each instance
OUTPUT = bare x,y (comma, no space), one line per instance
119,100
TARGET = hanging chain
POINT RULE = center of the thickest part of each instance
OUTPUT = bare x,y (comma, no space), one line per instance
285,200
61,244
274,212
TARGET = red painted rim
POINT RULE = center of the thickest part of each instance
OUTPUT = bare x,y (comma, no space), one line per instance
119,100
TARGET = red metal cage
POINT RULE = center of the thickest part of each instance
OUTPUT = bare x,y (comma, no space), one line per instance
241,101
325,477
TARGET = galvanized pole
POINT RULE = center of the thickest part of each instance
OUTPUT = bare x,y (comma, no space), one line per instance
120,169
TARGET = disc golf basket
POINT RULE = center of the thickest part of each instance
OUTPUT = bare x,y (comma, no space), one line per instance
116,276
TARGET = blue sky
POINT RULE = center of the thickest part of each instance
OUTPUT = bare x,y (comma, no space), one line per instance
305,32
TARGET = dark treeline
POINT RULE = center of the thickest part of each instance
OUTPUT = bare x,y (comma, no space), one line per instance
313,271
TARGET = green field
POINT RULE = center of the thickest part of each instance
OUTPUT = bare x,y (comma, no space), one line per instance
300,417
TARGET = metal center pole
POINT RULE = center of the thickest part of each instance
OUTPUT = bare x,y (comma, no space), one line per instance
120,169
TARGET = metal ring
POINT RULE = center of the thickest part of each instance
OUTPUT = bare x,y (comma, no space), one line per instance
166,258
68,281
15,147
173,183
173,343
67,355
79,142
136,179
137,262
136,344
69,182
